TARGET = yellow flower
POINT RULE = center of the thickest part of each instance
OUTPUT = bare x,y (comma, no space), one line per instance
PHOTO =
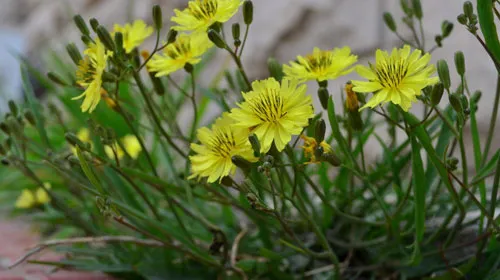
185,49
351,102
274,112
201,14
29,199
321,65
310,145
131,145
398,77
89,75
218,145
133,34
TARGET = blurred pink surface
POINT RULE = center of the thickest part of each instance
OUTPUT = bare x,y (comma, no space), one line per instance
16,238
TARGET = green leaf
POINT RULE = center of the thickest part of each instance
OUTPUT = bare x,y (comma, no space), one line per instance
476,145
419,190
487,168
33,104
487,24
88,171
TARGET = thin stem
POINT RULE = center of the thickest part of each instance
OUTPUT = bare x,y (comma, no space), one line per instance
491,130
244,40
195,107
237,60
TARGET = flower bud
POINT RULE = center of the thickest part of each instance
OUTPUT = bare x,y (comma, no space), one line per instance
446,28
319,131
355,121
157,84
444,73
352,103
119,43
247,12
405,7
86,40
456,103
73,140
452,163
4,128
105,38
439,40
227,181
241,162
171,36
323,97
254,141
235,28
417,8
81,25
56,79
188,67
468,9
476,96
13,107
74,53
462,19
94,23
437,93
216,39
275,68
157,17
464,101
389,21
460,63
28,115
331,158
318,152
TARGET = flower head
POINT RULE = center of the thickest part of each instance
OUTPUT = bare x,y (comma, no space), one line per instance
201,14
89,75
218,145
310,145
133,34
398,77
185,49
321,65
274,111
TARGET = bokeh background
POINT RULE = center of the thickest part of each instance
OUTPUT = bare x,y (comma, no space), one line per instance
281,28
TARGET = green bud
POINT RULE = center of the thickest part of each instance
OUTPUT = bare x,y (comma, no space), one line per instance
323,83
235,28
86,40
437,93
319,131
227,181
73,140
229,79
119,43
4,128
318,152
468,9
323,97
439,40
216,39
452,163
73,160
275,68
247,12
405,7
464,101
74,53
331,158
188,67
157,17
94,23
14,125
254,141
389,21
241,162
13,107
28,115
56,79
462,19
446,28
105,38
444,73
456,103
80,23
460,63
476,96
355,121
171,36
417,8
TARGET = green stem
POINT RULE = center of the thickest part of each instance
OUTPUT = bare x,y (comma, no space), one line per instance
493,120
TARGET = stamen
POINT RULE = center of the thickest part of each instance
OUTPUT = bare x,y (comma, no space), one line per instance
268,107
204,9
318,63
222,143
391,73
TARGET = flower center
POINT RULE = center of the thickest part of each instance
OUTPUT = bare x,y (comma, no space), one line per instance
318,62
391,73
268,107
204,9
85,72
222,143
181,46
